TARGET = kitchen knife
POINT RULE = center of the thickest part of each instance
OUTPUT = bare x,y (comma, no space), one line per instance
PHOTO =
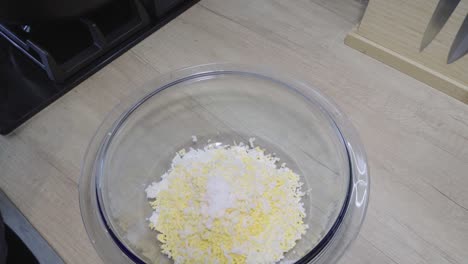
460,44
440,16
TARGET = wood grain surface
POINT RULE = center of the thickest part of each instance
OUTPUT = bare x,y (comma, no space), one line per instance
416,137
392,30
409,66
400,24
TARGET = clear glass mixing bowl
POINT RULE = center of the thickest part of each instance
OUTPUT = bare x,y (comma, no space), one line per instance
224,103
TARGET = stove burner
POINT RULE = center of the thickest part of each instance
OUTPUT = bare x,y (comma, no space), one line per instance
39,63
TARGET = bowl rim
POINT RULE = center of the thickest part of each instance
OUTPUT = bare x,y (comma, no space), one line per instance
331,246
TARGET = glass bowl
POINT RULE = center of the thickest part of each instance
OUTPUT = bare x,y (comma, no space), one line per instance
223,103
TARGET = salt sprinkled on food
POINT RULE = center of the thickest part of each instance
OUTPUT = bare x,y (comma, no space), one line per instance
227,204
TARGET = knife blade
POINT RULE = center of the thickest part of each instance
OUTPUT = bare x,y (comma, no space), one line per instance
440,16
460,44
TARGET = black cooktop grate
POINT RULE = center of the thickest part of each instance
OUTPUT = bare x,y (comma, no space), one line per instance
39,63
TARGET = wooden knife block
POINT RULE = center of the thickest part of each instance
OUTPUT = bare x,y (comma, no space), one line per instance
391,32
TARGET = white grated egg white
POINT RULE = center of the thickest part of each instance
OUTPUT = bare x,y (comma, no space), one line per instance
227,204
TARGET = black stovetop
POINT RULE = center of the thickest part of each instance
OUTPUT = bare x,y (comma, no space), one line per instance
35,70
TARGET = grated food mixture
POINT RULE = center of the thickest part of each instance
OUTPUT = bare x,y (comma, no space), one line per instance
227,204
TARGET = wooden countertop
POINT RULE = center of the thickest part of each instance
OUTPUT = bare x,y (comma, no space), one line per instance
416,137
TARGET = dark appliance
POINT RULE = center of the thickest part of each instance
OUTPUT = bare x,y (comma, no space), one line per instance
43,57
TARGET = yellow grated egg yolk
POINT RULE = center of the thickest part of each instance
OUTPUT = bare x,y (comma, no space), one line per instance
227,204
